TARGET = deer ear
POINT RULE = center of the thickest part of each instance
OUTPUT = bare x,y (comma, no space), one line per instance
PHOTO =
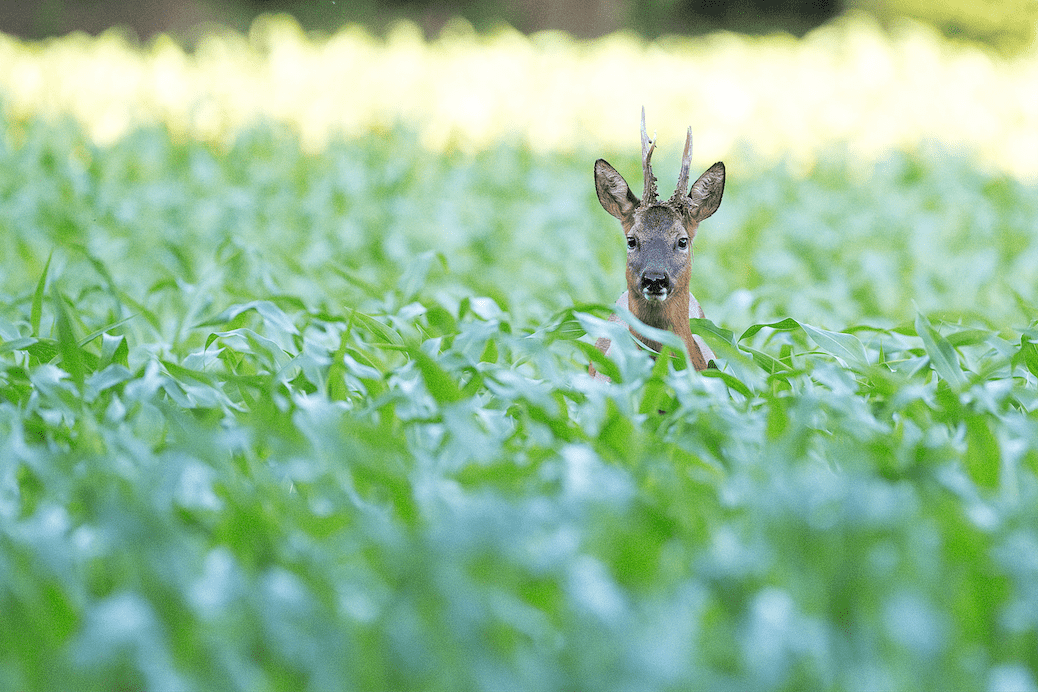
705,196
613,192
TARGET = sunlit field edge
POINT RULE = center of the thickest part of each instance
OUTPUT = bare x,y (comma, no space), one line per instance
848,84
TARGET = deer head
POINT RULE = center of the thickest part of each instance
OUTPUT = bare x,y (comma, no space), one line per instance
659,239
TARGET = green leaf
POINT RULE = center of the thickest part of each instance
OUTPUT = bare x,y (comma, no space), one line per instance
72,360
969,337
438,381
43,350
787,325
722,341
599,360
109,377
730,380
385,332
847,347
654,390
1029,353
767,362
619,437
275,317
337,389
941,353
705,328
23,344
982,459
37,298
568,330
114,349
664,337
490,352
108,327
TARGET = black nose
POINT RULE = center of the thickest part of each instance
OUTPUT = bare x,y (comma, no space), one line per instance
655,283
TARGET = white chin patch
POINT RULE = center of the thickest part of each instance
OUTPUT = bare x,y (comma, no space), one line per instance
661,296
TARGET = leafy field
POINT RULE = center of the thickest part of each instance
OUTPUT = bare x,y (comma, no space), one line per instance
276,418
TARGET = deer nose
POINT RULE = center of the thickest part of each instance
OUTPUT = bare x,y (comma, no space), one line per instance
655,285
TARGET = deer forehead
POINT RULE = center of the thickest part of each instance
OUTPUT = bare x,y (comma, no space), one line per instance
660,221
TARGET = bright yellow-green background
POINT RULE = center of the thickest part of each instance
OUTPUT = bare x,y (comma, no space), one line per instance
847,84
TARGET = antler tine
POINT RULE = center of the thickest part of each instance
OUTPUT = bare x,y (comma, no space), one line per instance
649,195
686,163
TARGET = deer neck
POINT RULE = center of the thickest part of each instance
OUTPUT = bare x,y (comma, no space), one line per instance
672,315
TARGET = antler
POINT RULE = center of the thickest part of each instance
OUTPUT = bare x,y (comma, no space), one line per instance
681,193
649,195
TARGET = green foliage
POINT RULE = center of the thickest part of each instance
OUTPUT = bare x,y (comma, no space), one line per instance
281,421
1006,26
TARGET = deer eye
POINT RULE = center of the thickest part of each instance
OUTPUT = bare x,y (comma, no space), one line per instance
631,242
683,243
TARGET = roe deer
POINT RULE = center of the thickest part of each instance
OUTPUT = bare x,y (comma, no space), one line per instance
659,246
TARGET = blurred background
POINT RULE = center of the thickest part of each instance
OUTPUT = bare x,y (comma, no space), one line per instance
1006,26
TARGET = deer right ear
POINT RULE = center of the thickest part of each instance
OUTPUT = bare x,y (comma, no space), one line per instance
705,196
613,192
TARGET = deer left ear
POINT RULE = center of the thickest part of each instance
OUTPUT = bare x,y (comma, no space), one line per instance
705,196
613,192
